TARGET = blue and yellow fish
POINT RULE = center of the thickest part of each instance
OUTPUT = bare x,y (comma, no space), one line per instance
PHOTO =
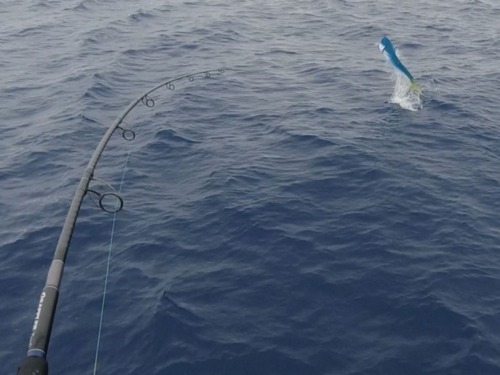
389,51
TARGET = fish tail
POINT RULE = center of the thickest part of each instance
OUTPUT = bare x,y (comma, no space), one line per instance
415,87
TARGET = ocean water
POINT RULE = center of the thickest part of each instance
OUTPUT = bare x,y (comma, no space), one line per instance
285,217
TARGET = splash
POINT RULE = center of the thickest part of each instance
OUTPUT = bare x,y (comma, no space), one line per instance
403,94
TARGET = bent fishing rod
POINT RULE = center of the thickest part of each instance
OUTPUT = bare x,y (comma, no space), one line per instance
35,362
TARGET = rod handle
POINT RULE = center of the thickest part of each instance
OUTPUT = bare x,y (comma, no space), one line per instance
33,366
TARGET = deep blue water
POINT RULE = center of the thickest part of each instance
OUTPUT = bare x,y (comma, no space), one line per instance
282,218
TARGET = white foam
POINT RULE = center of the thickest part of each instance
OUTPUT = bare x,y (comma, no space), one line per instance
403,95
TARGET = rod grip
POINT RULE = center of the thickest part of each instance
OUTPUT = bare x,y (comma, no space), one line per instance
33,366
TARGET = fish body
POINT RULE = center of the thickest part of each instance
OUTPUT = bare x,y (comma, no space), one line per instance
387,48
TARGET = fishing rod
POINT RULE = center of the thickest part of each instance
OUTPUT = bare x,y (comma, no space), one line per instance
35,362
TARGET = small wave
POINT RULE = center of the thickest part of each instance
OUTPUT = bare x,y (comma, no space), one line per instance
222,37
275,51
79,7
41,4
169,136
135,52
411,46
139,16
361,31
32,31
443,106
179,310
99,91
439,28
307,141
89,42
97,36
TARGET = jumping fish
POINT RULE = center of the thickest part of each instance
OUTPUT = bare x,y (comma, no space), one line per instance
389,51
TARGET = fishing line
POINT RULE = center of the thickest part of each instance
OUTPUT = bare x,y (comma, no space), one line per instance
106,278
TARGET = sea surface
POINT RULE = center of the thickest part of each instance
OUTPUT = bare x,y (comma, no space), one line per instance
282,216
